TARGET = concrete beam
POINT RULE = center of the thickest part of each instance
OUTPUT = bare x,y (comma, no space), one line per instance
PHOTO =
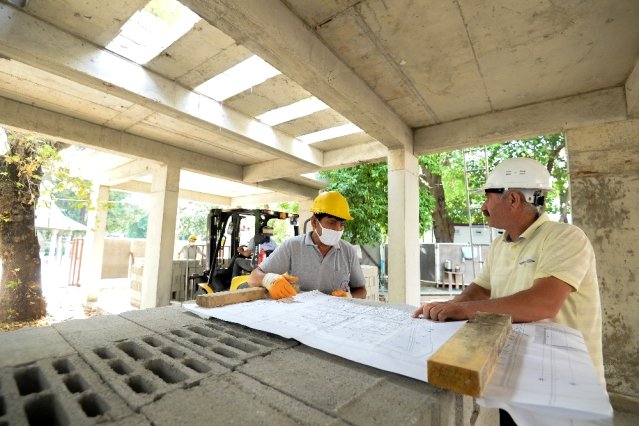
249,201
133,186
128,171
201,197
36,43
273,169
183,194
72,130
269,29
370,152
288,188
528,121
632,92
334,159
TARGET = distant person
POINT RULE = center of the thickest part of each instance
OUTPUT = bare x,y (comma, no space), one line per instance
244,262
191,251
320,259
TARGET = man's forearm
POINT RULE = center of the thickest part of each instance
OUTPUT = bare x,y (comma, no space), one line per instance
517,306
542,301
255,279
471,293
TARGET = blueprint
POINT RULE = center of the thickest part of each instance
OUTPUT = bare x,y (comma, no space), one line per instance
544,369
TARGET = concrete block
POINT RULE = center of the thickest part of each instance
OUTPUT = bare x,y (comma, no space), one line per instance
233,399
301,371
94,331
228,344
162,319
142,370
62,390
31,344
487,417
397,400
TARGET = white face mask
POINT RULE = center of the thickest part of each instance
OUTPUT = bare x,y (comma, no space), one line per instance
329,237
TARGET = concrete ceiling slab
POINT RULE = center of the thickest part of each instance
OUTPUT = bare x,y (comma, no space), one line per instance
198,55
93,20
315,122
427,76
274,93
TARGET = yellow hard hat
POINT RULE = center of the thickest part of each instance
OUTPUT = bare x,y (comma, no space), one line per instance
333,203
192,238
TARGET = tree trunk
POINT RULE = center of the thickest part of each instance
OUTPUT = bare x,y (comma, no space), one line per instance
443,226
20,289
563,196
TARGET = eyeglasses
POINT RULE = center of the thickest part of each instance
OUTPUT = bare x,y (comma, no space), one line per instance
494,190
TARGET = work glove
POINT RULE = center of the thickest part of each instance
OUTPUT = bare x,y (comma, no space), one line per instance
279,286
340,293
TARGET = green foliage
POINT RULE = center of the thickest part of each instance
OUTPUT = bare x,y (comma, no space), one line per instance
166,10
12,284
288,207
139,228
282,228
125,216
550,151
366,186
24,162
192,219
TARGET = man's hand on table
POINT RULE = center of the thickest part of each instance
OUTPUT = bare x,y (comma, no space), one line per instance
442,311
279,286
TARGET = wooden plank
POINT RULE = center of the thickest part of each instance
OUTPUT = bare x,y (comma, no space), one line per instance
222,298
466,361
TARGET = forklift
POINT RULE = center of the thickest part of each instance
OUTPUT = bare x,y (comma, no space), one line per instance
224,226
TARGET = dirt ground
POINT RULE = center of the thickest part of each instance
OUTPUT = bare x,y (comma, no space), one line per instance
66,302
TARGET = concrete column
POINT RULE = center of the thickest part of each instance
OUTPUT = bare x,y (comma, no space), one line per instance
304,210
604,177
403,228
160,237
93,250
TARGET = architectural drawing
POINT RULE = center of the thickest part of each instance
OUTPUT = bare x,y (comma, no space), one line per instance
545,369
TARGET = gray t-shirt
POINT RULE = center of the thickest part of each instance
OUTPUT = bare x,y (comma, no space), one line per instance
300,256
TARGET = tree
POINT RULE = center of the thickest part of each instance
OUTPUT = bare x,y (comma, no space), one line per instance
124,217
431,178
192,219
29,166
366,188
20,175
443,194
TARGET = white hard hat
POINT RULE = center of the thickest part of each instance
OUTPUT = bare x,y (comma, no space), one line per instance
521,173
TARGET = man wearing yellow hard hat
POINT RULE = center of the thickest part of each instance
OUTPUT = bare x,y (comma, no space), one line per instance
320,259
191,251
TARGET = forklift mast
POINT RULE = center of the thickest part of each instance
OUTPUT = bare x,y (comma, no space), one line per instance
223,222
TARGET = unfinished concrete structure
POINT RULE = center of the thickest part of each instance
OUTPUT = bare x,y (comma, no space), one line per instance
415,77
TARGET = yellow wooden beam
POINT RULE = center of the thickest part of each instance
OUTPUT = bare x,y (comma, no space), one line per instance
466,361
222,298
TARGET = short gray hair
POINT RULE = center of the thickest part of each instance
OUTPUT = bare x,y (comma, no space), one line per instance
533,198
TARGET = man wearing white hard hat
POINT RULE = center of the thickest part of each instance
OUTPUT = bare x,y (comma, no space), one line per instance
538,270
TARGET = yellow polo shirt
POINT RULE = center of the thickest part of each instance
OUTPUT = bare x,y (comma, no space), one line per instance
549,248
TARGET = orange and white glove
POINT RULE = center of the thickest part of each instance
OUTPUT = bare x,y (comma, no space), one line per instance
341,293
279,286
